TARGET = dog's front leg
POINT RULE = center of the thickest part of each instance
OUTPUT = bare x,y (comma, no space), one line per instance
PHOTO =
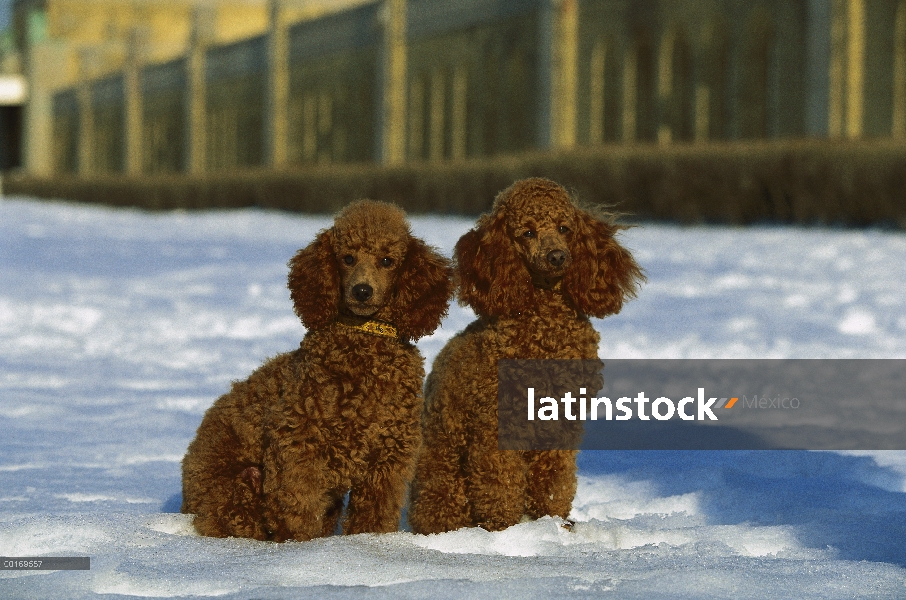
551,483
376,501
437,499
495,485
296,497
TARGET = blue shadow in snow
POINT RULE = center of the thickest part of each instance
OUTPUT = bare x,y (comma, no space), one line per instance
173,503
829,498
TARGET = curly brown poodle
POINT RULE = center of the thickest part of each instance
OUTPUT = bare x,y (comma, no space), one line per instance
275,457
534,270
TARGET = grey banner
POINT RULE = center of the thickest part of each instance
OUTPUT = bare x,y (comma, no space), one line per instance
45,563
845,404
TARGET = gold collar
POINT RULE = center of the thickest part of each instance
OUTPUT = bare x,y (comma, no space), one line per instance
374,327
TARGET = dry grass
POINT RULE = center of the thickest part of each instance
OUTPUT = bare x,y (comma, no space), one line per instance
805,182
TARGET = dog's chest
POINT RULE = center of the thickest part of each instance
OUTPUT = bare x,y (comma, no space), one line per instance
355,393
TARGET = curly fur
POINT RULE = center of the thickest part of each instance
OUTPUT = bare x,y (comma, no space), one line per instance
534,270
274,458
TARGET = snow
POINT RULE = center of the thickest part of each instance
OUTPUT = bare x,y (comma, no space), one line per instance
118,329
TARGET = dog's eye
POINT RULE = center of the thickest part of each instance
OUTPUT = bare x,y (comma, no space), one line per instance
529,234
563,229
349,259
387,262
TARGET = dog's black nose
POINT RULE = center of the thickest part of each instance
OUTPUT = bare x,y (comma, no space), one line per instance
556,258
362,292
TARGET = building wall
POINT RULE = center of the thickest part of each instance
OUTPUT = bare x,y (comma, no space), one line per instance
880,20
481,77
10,136
333,77
472,84
682,71
235,80
65,133
108,113
163,90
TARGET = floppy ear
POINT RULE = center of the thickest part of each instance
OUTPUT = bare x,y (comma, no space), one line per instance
603,273
314,283
490,276
423,290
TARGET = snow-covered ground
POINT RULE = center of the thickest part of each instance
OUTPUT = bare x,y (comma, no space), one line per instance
119,328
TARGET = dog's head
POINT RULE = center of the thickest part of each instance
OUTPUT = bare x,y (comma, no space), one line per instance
536,237
369,265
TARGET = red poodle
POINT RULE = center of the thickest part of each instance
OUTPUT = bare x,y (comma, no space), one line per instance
274,458
534,270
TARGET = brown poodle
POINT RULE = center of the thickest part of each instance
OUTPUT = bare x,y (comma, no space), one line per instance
534,270
274,458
